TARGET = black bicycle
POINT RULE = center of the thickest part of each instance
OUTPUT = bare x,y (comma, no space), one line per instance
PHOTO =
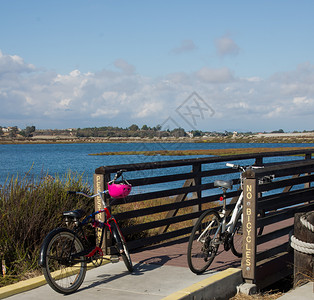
65,252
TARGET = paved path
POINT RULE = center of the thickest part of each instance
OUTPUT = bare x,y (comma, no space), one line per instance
158,272
113,281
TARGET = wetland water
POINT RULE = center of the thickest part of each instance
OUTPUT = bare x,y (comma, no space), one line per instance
52,159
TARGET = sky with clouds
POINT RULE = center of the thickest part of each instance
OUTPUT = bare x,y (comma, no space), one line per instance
209,65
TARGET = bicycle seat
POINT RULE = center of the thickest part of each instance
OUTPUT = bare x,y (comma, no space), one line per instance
225,184
78,213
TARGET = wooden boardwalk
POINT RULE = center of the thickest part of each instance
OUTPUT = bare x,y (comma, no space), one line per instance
174,253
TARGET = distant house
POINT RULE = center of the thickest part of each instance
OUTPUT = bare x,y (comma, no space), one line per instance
190,134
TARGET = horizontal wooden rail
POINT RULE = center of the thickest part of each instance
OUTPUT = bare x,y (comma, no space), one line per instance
206,160
185,188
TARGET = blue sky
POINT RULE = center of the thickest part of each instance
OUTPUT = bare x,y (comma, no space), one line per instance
99,63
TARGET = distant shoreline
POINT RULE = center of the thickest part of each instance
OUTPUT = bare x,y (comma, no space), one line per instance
262,138
220,152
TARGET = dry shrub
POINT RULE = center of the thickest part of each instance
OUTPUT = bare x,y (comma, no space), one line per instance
29,209
262,296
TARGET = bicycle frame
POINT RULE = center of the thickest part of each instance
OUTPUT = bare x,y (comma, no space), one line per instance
222,225
235,213
98,224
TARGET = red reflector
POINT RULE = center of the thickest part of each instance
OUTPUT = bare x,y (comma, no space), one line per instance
221,198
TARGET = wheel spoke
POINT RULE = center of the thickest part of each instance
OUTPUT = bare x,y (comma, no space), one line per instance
64,274
204,242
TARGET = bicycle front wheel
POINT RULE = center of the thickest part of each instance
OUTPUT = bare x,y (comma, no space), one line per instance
204,242
237,237
122,246
63,266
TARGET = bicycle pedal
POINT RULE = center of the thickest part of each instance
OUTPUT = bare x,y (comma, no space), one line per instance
114,259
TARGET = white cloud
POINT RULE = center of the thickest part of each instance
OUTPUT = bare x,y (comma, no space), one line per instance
254,79
101,112
221,75
13,64
124,66
149,109
50,100
185,46
275,112
300,100
225,45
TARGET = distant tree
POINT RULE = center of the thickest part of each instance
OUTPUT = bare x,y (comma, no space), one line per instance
144,127
1,131
196,133
278,131
29,130
134,127
13,132
178,132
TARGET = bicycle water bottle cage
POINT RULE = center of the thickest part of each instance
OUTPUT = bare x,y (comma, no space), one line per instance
224,184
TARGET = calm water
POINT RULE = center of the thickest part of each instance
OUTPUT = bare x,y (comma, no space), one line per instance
55,159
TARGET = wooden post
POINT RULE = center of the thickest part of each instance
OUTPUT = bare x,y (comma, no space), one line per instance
198,181
99,185
303,262
258,161
308,184
249,230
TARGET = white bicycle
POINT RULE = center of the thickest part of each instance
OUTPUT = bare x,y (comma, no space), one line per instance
212,228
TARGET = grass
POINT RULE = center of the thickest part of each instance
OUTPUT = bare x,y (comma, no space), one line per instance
229,151
259,296
29,209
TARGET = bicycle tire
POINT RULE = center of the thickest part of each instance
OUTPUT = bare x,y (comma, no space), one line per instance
200,254
62,272
121,246
261,214
237,237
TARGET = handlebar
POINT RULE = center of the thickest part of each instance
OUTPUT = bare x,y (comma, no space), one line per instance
86,195
117,175
242,168
265,179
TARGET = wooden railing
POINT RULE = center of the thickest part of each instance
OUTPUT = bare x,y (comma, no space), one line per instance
266,258
187,187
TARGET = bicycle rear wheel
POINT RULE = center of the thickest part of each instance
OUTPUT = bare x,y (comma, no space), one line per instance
204,242
237,237
122,246
63,269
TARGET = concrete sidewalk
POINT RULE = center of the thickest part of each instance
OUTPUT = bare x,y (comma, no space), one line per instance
148,281
304,292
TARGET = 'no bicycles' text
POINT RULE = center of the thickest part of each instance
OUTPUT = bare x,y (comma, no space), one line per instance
248,228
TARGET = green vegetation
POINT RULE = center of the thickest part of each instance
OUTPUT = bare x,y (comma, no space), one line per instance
135,133
200,151
29,209
132,131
